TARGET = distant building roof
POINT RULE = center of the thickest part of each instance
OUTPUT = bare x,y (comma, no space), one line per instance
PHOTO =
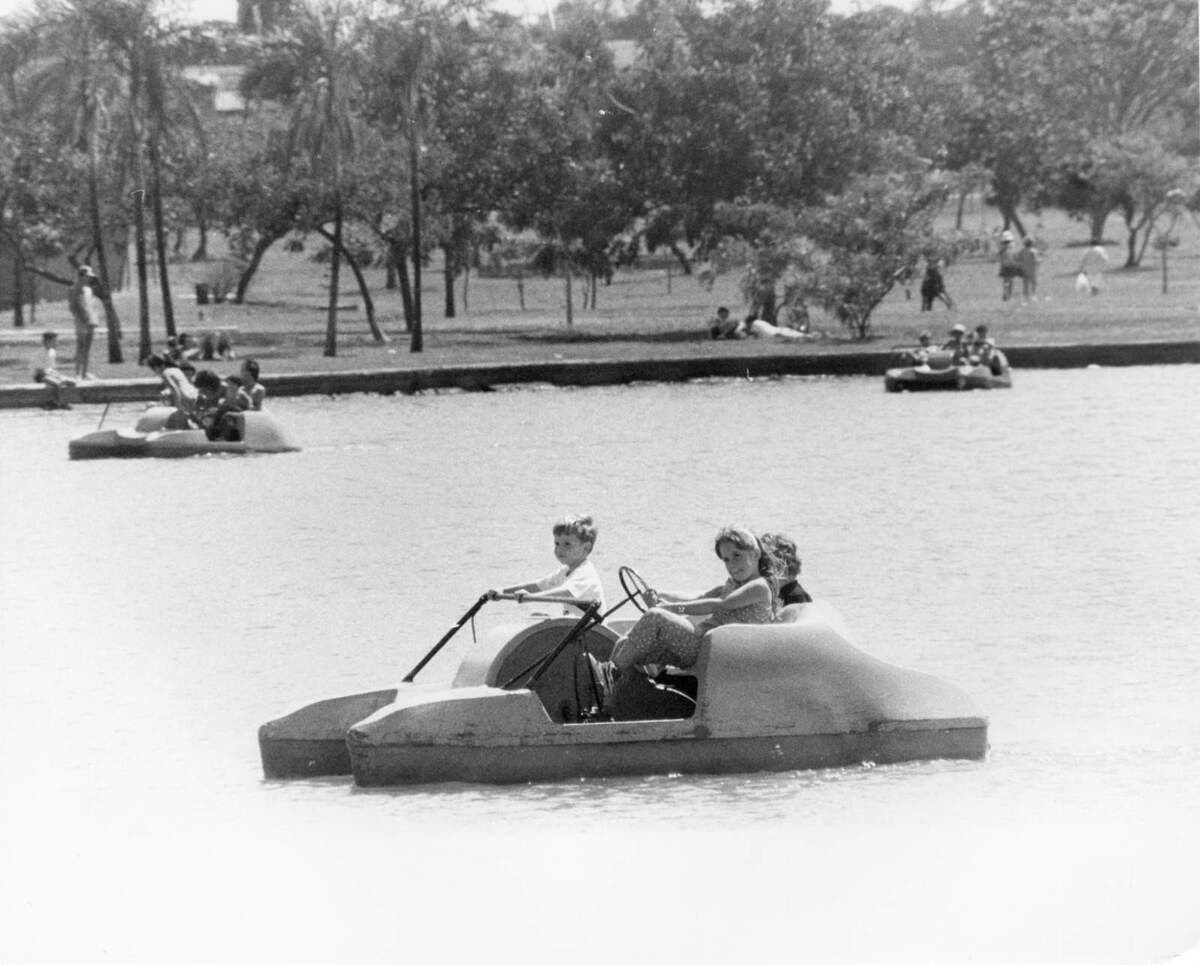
223,80
624,52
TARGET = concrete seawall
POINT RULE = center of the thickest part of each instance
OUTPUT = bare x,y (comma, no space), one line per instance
482,377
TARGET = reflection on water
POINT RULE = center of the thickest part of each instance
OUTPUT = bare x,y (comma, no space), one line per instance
1037,547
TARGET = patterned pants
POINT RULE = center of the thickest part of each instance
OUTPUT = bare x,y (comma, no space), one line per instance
658,637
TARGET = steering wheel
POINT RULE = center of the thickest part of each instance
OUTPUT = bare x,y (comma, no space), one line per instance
634,586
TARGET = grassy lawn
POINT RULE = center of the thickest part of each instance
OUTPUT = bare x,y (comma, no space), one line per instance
652,310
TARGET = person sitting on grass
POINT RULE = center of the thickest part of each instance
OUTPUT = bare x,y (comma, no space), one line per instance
725,327
756,327
45,371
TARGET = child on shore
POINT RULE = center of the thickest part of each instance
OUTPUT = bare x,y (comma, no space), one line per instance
45,370
576,577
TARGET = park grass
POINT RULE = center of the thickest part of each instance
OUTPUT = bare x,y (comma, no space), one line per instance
649,311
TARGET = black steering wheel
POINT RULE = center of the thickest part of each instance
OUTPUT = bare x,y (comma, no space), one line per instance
634,586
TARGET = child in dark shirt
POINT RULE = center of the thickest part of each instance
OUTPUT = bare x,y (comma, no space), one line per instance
784,549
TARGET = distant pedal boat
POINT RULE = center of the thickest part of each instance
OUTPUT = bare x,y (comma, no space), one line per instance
788,696
941,374
153,437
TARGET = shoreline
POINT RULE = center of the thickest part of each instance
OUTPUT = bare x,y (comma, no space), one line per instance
483,377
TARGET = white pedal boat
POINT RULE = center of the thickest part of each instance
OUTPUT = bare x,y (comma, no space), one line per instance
941,373
786,696
157,434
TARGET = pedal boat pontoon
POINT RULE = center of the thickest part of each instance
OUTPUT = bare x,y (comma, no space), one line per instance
787,696
158,435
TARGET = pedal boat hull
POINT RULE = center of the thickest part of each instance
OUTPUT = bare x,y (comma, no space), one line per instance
155,436
789,696
939,372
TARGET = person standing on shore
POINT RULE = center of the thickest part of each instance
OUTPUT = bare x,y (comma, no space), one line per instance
1095,260
1028,258
82,303
933,285
1009,266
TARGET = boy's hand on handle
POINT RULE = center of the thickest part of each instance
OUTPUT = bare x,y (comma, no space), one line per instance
650,597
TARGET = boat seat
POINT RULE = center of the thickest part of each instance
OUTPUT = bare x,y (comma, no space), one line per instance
794,612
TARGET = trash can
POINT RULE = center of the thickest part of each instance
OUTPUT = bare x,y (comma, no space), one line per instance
202,294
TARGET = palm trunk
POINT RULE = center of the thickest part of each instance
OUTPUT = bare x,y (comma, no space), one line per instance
160,239
112,321
256,257
417,343
139,239
334,267
363,289
448,278
400,263
570,295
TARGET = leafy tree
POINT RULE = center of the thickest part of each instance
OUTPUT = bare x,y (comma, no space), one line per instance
1081,73
67,81
565,189
864,239
481,88
678,127
315,67
402,50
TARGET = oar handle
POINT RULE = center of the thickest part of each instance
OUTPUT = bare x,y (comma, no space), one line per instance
524,598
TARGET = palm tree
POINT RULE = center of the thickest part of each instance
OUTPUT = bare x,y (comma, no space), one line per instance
404,49
93,92
322,53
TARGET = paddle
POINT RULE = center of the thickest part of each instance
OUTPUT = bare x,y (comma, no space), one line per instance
475,608
103,415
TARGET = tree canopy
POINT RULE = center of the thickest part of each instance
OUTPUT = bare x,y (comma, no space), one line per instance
774,129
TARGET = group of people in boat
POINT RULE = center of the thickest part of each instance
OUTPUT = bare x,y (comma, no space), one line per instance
203,399
762,576
974,348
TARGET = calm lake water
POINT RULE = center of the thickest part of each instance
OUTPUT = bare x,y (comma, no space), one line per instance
1039,547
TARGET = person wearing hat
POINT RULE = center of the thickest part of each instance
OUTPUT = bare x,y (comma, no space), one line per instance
956,343
82,303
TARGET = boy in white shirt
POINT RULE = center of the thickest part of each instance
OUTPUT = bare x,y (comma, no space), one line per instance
574,538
